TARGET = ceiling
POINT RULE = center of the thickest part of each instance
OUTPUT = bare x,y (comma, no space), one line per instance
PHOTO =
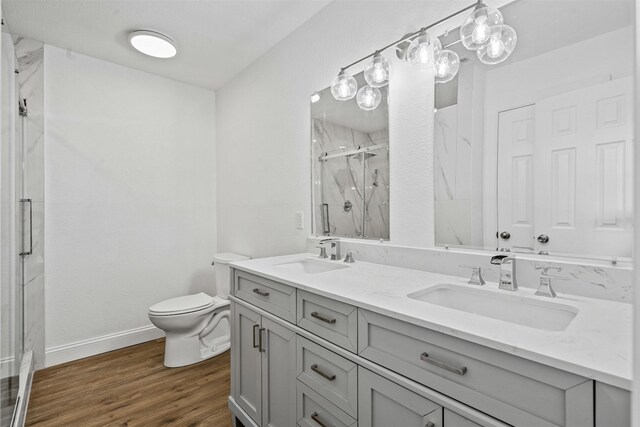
556,25
216,39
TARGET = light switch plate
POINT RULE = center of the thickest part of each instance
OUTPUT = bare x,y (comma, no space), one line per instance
300,220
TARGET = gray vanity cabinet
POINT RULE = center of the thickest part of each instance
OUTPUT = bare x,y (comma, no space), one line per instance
382,403
264,368
247,361
451,419
613,406
294,362
509,388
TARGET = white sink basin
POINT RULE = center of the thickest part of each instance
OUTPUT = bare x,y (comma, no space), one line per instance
312,266
533,312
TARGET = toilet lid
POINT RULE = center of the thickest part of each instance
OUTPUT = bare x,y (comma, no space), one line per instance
185,304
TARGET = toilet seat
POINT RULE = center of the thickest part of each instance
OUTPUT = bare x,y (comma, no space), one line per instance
186,304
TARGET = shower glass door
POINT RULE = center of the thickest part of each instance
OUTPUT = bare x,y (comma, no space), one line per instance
11,289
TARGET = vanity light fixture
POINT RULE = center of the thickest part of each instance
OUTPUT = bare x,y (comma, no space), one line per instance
153,43
344,86
480,25
447,64
377,71
483,31
315,97
369,98
422,50
499,47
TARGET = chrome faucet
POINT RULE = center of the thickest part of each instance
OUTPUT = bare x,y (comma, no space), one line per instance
545,289
476,275
507,272
335,245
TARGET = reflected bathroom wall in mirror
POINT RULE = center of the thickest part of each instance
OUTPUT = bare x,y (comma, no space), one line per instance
534,154
350,166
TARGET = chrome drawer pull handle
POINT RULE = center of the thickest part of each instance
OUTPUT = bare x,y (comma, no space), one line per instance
317,370
315,418
429,424
254,335
324,319
261,293
460,371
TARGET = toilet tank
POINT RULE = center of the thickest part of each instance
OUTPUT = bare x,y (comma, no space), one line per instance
222,271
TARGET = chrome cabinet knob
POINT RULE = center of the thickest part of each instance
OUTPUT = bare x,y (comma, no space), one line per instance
543,238
505,235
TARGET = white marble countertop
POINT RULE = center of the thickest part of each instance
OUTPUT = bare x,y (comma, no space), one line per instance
597,344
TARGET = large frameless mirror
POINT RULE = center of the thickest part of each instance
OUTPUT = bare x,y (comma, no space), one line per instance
350,166
534,154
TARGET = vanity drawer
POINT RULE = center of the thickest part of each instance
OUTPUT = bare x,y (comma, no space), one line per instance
332,376
515,390
274,297
314,410
332,320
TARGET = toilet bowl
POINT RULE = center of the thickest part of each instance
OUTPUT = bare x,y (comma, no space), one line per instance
197,326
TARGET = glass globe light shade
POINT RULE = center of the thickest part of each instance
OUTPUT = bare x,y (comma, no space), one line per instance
479,26
422,50
369,98
377,71
499,46
344,86
446,66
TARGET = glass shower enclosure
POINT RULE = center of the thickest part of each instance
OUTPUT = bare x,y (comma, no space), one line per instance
21,222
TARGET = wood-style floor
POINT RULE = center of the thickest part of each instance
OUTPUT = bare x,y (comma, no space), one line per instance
131,387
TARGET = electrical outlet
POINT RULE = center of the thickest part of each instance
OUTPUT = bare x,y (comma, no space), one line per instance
300,220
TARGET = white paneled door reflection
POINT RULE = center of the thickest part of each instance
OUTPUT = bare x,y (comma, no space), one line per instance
565,172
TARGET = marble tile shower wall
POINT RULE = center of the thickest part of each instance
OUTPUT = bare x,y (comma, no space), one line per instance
355,188
30,55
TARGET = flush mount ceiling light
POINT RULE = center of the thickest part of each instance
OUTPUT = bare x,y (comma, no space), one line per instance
153,43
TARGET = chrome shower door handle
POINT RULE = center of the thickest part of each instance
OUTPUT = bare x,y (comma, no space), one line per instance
30,251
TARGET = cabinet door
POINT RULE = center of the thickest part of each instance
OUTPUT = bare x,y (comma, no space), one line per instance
451,419
278,375
247,369
382,403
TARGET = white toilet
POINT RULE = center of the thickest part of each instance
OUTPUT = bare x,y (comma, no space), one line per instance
197,326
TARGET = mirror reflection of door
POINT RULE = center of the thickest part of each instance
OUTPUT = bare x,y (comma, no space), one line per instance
515,179
565,173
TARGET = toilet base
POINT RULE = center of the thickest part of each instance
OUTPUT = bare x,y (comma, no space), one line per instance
183,350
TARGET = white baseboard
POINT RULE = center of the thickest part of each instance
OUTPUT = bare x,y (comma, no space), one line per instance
81,349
